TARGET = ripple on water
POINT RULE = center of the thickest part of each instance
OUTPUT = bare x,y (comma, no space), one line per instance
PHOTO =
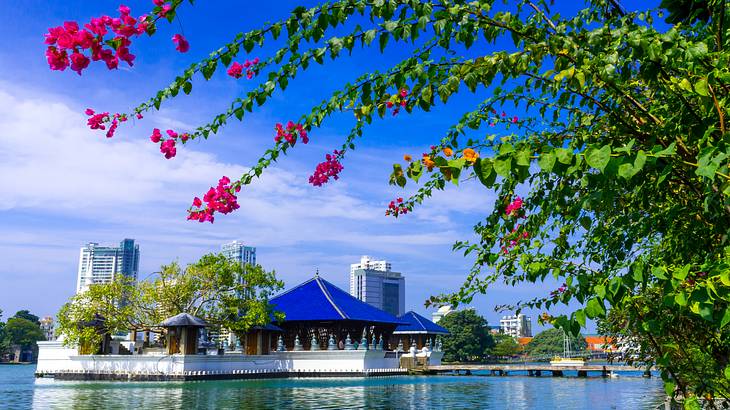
19,389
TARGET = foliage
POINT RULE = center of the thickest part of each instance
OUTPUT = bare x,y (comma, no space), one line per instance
624,150
688,355
504,346
217,289
25,314
101,301
468,339
221,291
550,343
22,332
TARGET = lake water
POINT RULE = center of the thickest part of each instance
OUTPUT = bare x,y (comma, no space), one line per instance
20,390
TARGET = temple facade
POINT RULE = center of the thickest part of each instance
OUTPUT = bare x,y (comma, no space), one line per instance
326,332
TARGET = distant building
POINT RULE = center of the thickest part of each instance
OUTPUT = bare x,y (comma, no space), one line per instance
374,283
245,255
597,343
441,312
238,251
516,326
102,264
47,328
366,262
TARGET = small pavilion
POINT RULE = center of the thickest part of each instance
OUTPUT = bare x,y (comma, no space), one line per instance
182,333
260,339
417,329
317,311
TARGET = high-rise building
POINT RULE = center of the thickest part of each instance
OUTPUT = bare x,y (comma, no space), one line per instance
238,251
367,262
47,328
373,282
516,326
245,255
102,264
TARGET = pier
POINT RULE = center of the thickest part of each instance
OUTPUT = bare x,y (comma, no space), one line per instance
535,370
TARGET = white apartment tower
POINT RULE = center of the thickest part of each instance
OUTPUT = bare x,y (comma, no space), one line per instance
374,283
102,264
367,262
516,326
237,251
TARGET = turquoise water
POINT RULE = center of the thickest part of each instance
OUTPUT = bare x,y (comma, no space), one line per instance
19,390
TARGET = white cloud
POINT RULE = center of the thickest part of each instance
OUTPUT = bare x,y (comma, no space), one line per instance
64,185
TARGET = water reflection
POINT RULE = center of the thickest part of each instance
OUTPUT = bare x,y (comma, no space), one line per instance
473,392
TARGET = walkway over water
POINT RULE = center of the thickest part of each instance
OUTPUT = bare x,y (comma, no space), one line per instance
534,369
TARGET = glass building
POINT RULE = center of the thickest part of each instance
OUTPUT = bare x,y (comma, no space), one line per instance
238,251
102,264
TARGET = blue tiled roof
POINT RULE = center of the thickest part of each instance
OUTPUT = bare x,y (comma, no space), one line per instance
319,300
419,324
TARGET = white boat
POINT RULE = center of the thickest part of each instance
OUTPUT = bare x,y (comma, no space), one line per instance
566,360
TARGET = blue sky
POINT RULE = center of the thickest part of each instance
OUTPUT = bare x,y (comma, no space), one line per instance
64,185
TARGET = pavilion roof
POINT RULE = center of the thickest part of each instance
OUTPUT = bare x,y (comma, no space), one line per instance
319,300
182,320
417,324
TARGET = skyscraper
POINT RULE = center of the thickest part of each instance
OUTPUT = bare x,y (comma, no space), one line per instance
238,251
102,264
245,255
373,282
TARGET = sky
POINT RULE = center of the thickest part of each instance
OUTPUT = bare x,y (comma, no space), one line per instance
64,185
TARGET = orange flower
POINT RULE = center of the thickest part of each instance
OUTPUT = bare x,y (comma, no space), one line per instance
428,162
470,155
407,158
448,152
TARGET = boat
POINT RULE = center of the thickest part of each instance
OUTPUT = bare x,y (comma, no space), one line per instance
566,360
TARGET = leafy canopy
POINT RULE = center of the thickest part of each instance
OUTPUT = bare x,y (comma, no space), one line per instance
624,152
223,292
468,339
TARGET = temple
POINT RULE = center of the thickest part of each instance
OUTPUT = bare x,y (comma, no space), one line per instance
417,331
326,332
317,310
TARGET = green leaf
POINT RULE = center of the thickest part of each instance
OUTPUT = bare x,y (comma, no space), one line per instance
546,161
681,298
725,320
669,387
503,166
598,158
659,272
580,317
565,156
681,273
701,88
600,291
187,87
595,308
523,158
485,172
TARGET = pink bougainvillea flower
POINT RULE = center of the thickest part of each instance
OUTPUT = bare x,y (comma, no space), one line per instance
156,136
235,70
182,45
168,148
